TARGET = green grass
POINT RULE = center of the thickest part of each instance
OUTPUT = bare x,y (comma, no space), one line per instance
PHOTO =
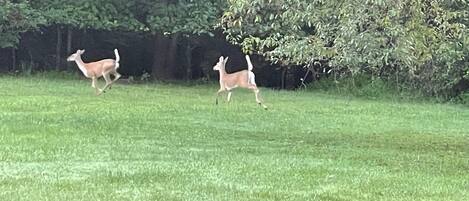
58,141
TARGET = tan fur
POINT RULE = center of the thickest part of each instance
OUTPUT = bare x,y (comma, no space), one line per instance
230,81
99,68
94,70
233,80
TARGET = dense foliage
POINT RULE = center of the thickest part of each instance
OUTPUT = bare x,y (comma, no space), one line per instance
16,18
416,44
89,14
421,44
184,16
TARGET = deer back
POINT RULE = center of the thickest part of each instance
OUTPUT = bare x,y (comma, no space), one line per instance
98,68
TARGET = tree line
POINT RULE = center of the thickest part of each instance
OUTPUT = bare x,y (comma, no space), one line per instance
167,24
412,44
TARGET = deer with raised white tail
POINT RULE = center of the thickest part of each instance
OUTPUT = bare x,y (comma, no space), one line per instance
95,70
229,81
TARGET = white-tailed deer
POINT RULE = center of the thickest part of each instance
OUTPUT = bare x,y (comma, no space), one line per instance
244,79
95,70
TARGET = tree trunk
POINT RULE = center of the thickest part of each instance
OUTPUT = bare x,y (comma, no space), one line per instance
31,58
28,68
58,49
160,57
188,54
284,77
69,44
171,64
13,59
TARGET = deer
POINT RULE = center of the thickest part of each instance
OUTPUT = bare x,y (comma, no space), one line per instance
95,70
243,79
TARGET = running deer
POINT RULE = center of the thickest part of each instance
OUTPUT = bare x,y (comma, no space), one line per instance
95,70
229,81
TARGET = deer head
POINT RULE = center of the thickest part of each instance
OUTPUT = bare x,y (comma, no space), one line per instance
221,63
75,55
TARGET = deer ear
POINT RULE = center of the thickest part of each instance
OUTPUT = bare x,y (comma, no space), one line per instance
226,59
82,51
220,59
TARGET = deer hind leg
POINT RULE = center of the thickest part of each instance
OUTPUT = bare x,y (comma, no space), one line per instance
116,77
256,93
107,77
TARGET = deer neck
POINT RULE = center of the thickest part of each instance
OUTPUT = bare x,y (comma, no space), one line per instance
222,73
81,65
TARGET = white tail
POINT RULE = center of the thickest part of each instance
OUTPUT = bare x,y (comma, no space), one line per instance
250,66
118,58
94,70
243,79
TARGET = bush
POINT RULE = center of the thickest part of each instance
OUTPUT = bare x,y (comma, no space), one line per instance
364,86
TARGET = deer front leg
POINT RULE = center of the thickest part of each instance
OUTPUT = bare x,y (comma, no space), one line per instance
228,98
94,85
218,94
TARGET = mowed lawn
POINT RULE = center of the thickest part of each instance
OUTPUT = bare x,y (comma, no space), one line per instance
58,141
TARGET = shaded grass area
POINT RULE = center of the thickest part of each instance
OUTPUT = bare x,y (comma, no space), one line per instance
170,142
